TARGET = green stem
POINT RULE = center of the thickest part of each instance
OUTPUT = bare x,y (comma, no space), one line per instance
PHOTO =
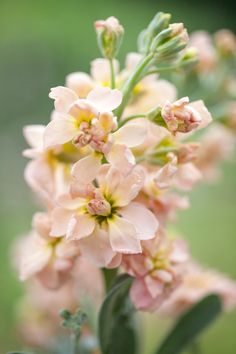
113,79
75,343
109,276
131,82
127,119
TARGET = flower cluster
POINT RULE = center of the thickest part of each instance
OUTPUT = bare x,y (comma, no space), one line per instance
111,166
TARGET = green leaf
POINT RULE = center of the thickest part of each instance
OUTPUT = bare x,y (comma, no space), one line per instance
190,325
116,327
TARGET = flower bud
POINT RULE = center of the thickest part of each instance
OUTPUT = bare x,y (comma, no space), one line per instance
189,57
226,42
170,41
159,22
109,36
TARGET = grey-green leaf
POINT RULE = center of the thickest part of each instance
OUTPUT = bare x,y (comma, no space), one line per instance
116,330
191,325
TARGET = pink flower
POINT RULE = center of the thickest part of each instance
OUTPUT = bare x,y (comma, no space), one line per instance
90,123
103,218
182,116
157,271
197,283
50,259
207,55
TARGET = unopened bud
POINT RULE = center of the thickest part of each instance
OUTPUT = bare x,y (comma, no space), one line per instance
189,57
109,36
225,41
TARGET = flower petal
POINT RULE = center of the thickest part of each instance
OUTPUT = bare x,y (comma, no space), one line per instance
97,248
144,220
82,225
86,169
59,131
203,112
131,134
60,220
104,98
121,157
123,236
33,134
100,69
63,97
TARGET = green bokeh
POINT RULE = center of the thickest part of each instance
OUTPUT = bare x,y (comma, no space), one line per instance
41,42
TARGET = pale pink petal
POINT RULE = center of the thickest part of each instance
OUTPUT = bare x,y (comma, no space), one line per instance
97,248
33,134
129,187
203,112
143,219
35,260
67,202
60,220
154,286
67,249
59,131
80,82
100,69
140,296
123,236
81,225
131,134
86,169
121,157
104,98
132,60
116,261
63,97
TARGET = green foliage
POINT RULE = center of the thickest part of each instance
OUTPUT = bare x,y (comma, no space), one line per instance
116,326
190,325
73,322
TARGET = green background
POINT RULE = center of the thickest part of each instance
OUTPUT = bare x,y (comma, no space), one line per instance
41,42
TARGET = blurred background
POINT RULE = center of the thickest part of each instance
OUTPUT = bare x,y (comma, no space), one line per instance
41,42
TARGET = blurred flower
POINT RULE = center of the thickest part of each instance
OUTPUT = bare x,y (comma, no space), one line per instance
157,271
225,41
207,56
197,283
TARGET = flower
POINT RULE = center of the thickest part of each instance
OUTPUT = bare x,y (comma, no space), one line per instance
49,171
109,36
197,283
182,116
157,271
207,55
48,258
225,41
103,218
89,123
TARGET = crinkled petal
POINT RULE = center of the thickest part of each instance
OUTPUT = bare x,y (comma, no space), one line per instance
104,98
154,286
143,219
59,131
141,297
63,97
60,219
121,157
81,225
203,112
123,236
80,82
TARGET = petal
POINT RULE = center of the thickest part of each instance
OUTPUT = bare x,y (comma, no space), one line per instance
34,260
82,225
141,297
67,249
131,134
201,109
100,69
104,98
60,220
63,97
97,248
154,286
59,131
121,157
144,220
33,134
86,169
129,187
67,202
79,82
123,236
